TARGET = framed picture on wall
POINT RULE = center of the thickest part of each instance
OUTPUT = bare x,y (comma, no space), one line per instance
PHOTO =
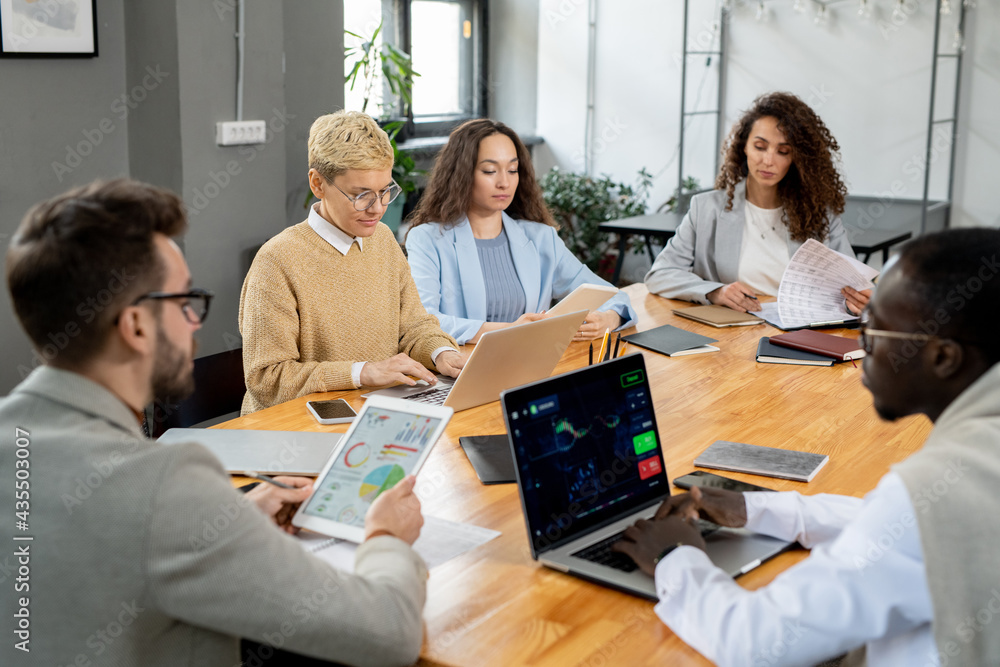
48,28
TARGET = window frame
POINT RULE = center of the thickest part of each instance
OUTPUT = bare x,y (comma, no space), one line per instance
477,89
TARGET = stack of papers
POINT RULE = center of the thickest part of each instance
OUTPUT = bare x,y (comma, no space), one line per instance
440,541
809,293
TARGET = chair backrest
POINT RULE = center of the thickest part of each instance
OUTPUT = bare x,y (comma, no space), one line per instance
218,390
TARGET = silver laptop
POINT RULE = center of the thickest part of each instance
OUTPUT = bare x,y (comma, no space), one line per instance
502,359
277,452
589,463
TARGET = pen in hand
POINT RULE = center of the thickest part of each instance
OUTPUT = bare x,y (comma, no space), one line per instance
265,478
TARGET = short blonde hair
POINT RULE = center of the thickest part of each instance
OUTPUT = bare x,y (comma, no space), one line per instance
347,140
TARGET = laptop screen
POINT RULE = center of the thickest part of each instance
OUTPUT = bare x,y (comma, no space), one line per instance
586,449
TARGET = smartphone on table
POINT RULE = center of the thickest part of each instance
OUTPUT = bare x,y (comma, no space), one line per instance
337,411
703,479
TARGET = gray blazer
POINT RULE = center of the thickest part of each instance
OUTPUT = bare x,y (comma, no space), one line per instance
143,554
704,253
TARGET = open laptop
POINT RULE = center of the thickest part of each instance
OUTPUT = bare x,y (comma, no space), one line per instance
589,463
502,359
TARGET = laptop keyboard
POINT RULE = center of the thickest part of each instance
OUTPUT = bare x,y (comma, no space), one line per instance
434,396
601,553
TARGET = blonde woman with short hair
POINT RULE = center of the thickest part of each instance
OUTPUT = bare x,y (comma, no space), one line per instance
329,303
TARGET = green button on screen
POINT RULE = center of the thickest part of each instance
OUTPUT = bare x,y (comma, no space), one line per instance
644,442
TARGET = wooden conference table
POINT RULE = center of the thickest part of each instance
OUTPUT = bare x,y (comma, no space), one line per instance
496,606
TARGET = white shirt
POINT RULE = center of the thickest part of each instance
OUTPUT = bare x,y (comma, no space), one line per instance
863,583
342,242
764,252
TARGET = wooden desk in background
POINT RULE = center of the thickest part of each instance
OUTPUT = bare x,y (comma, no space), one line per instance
496,606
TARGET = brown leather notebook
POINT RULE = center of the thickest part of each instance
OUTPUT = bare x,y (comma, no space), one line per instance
828,345
718,316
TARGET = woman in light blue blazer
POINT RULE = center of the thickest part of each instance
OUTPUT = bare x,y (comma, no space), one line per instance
483,247
778,187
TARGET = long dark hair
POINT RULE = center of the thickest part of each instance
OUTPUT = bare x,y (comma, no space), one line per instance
812,188
449,191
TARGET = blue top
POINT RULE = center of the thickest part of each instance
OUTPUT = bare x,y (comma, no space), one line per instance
449,276
504,298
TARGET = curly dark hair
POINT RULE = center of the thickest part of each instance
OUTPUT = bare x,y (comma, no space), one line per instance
449,191
812,189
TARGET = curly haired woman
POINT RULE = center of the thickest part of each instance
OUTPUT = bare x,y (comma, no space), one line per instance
778,187
483,249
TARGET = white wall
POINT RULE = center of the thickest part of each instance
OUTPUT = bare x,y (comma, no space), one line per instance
977,196
868,79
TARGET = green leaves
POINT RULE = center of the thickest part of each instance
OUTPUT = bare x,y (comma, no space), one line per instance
580,203
394,65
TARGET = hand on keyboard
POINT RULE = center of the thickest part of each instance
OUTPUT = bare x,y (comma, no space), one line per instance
726,508
646,541
395,369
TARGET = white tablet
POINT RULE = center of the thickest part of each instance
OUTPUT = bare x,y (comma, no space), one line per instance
585,297
388,440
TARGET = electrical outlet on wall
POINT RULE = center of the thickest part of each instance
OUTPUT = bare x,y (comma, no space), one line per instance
236,133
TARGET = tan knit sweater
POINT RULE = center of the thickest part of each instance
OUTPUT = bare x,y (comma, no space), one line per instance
307,313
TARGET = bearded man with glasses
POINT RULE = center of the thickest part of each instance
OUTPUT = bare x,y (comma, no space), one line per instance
141,553
329,303
908,575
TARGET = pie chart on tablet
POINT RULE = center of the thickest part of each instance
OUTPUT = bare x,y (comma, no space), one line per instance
379,480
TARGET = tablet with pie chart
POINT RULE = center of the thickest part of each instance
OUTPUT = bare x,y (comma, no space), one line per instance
390,439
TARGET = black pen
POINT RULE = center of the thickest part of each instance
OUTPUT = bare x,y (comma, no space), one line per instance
617,341
590,358
264,478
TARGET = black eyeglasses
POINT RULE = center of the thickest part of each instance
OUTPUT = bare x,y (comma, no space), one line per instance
194,306
865,334
367,199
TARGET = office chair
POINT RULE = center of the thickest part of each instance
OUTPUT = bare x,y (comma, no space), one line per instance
218,395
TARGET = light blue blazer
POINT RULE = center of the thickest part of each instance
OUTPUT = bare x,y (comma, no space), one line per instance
445,265
704,253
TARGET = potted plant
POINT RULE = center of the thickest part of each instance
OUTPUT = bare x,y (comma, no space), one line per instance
580,203
396,69
681,199
397,73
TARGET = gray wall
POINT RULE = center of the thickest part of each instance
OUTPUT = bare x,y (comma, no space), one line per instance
165,75
61,125
513,63
314,43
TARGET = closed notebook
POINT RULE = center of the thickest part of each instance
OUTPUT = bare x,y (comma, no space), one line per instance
769,353
672,341
490,457
718,316
828,345
757,460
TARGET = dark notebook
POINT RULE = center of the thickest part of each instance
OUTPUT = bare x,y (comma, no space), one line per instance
757,460
670,340
769,353
490,457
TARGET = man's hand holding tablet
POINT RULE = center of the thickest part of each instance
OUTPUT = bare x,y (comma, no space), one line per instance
396,512
366,487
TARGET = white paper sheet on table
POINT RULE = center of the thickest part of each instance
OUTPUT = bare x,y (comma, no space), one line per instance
440,540
809,292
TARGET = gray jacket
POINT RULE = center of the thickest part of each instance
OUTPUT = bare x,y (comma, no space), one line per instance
144,554
704,253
